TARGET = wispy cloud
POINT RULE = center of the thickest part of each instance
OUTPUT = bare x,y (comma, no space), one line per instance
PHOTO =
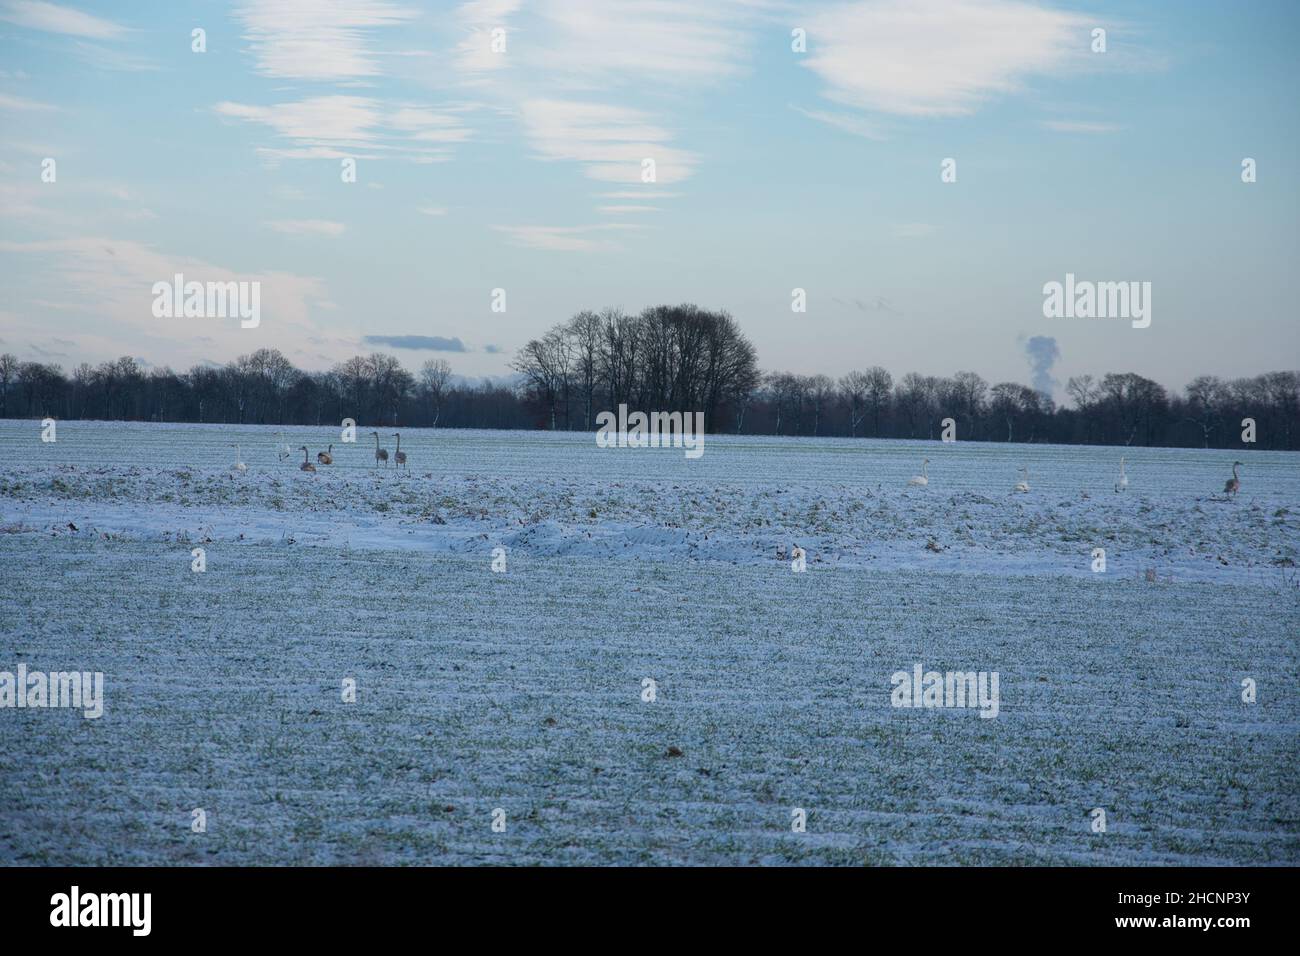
20,104
565,238
477,19
332,127
645,193
112,280
846,122
611,142
1079,126
423,343
103,57
317,39
306,227
51,18
664,41
913,230
614,210
938,57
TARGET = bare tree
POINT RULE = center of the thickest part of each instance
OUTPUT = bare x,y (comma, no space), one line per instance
916,397
238,378
585,332
435,375
853,393
820,390
545,364
1206,398
8,372
880,386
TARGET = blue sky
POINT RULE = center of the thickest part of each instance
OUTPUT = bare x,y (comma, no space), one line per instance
521,170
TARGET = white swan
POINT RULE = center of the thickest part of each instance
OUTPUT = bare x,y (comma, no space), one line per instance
238,466
282,450
923,479
1023,485
1122,483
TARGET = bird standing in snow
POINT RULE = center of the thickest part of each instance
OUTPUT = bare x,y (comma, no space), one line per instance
1233,484
923,479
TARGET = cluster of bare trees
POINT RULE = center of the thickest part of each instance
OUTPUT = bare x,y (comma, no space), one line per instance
677,358
1118,408
666,358
263,387
870,403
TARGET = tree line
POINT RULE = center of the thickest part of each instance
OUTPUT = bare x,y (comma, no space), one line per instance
665,358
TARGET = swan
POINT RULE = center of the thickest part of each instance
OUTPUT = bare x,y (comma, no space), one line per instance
325,457
306,465
282,449
1023,485
238,466
923,479
1121,483
381,454
399,456
1233,484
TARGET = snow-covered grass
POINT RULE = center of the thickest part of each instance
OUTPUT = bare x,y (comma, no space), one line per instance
846,503
522,690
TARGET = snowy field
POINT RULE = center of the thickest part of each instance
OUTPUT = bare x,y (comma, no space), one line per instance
522,690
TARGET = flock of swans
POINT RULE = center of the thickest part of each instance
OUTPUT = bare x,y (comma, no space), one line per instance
283,453
1231,487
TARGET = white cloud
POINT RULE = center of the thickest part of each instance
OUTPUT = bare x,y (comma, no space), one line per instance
38,15
845,122
610,142
564,238
317,39
559,52
19,104
668,41
343,122
1079,126
432,210
21,199
331,127
109,58
306,227
112,280
614,210
477,19
938,57
642,194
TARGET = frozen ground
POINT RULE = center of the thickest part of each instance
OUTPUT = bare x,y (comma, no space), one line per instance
522,690
846,502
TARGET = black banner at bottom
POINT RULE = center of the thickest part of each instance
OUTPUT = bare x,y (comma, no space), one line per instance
336,905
